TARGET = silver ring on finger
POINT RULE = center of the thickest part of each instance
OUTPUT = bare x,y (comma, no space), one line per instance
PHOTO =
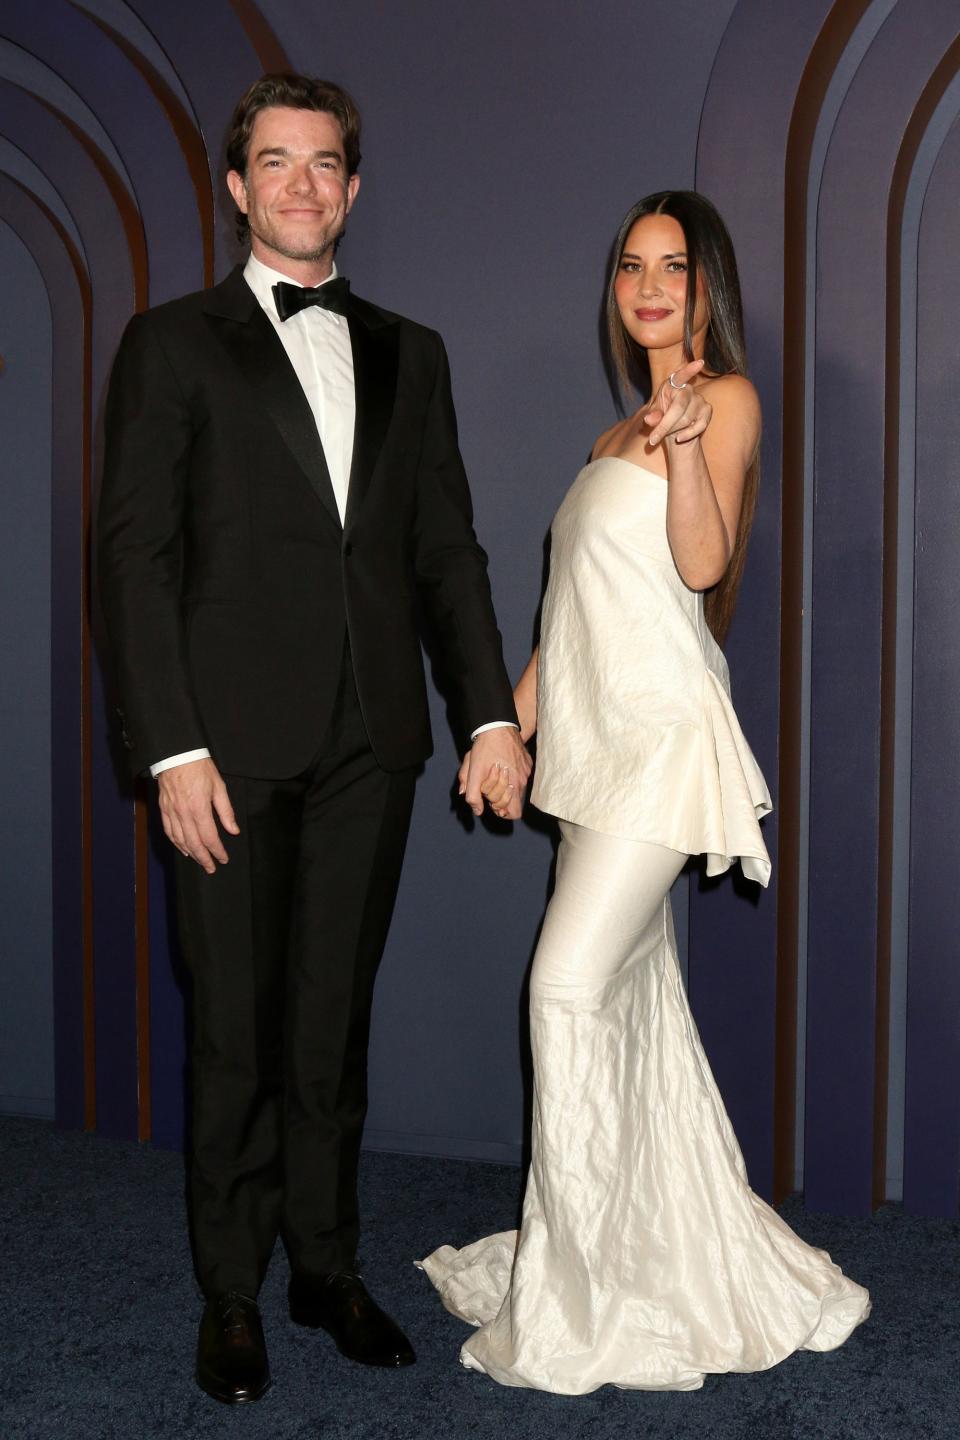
674,384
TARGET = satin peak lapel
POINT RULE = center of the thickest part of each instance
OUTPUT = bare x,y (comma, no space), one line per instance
257,351
375,342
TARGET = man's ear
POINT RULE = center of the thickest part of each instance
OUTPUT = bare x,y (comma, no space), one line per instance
353,185
238,189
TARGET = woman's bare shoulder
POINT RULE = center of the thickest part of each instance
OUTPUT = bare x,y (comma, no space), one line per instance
733,392
610,439
736,411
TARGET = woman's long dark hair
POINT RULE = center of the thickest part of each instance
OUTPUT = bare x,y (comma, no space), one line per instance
710,255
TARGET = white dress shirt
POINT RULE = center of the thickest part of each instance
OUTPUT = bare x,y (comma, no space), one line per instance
318,346
317,343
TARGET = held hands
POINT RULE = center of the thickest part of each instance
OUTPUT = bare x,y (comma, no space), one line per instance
498,789
678,411
192,798
496,769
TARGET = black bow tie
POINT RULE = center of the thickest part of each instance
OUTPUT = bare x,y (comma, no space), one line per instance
332,295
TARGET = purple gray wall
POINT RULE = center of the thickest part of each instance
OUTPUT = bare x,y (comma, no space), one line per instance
502,145
26,1029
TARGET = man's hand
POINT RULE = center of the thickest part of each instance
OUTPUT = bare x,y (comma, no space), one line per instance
498,762
192,798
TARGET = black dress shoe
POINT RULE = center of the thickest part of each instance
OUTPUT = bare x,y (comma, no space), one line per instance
340,1305
231,1352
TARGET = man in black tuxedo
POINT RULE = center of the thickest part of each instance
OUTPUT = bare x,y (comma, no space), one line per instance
282,490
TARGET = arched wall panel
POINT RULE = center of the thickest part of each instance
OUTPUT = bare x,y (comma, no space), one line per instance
26,939
69,306
168,232
22,68
926,134
17,165
850,788
77,49
189,36
114,259
846,35
931,1178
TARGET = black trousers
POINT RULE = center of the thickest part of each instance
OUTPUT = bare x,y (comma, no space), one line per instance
283,945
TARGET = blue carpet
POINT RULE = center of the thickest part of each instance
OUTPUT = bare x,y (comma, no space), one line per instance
100,1311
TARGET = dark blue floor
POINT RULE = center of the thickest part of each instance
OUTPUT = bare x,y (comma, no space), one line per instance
100,1312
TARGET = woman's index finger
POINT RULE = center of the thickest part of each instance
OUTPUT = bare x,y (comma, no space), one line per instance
687,372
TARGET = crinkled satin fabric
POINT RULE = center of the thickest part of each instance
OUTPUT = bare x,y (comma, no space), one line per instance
636,732
644,1259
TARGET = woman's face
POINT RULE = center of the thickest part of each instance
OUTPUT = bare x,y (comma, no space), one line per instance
651,286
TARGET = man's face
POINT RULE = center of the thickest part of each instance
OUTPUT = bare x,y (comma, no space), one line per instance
296,193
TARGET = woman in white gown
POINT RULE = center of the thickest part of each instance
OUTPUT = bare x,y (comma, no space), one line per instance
643,1258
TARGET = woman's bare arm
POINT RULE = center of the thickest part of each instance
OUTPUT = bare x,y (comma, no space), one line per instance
525,698
709,437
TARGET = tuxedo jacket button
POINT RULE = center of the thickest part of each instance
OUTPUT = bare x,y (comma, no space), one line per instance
348,549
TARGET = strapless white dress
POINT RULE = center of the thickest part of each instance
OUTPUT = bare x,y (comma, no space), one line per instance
644,1259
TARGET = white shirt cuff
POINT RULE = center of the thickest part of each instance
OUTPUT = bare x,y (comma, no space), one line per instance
183,759
494,725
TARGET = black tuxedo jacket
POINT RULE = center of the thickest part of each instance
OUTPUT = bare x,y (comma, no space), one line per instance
227,582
